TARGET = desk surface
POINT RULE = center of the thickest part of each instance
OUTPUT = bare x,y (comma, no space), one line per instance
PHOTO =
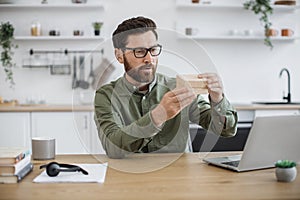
188,177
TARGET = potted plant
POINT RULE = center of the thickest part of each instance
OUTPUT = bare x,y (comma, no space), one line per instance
285,170
6,37
264,10
97,26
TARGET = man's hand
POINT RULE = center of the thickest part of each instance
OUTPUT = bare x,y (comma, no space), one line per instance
214,85
171,104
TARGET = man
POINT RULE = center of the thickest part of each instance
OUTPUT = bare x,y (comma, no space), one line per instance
143,111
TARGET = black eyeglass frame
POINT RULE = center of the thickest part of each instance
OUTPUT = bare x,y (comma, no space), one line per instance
147,50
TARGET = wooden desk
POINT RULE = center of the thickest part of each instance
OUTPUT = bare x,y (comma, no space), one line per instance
186,178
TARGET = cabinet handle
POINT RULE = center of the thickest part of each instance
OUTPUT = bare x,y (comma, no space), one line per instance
85,122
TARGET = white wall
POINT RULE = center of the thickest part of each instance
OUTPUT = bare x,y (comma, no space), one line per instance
250,70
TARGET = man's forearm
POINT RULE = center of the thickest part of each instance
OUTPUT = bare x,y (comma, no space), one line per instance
129,138
158,116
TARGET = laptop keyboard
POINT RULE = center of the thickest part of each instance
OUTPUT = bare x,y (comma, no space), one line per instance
232,163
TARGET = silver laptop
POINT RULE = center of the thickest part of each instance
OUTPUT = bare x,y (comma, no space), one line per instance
270,139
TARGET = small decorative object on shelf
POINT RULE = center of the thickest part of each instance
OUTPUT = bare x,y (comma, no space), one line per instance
54,32
195,1
264,9
97,26
271,32
288,3
78,33
285,170
79,1
287,32
6,37
36,29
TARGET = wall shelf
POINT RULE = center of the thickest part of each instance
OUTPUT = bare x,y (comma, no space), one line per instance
50,6
215,30
45,38
225,37
205,5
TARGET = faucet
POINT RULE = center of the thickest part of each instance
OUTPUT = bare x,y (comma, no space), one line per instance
288,97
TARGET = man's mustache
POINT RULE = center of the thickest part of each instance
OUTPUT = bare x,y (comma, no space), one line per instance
146,66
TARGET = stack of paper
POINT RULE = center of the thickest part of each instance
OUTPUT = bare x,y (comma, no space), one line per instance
96,172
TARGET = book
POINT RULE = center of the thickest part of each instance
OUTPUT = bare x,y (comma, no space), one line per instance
12,155
13,169
17,177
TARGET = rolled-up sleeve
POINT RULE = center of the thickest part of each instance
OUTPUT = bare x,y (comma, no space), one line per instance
218,118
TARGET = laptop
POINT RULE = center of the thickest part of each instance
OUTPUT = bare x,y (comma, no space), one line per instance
270,139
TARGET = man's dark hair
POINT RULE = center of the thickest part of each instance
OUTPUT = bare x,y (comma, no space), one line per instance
132,26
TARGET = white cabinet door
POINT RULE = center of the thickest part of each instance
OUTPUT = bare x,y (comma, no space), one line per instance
70,130
15,129
96,146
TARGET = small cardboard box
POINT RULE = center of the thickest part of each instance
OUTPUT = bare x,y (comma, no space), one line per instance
191,80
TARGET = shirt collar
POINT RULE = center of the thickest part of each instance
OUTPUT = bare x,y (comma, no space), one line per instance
133,89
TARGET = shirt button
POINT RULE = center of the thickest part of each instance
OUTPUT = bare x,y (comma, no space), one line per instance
219,109
144,97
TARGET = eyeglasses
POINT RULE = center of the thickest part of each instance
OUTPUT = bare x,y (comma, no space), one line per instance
141,52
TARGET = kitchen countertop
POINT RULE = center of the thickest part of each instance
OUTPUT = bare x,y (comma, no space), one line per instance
46,108
266,107
69,108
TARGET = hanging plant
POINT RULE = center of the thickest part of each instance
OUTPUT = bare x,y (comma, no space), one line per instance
6,37
264,10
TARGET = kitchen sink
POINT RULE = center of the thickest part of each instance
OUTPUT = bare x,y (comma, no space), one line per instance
275,103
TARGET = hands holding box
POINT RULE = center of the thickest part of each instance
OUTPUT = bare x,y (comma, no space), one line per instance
187,86
202,84
198,85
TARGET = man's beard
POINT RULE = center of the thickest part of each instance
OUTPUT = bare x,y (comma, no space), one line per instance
138,73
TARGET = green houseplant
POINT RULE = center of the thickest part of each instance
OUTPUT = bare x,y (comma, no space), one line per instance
6,37
264,10
97,26
285,170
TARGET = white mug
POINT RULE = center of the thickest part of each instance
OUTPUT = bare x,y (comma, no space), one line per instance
43,148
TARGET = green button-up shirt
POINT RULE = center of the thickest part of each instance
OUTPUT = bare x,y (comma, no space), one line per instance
122,116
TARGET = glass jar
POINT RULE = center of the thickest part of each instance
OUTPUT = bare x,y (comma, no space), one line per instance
36,29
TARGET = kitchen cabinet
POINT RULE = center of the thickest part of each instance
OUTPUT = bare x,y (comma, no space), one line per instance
216,20
61,126
96,146
15,129
74,131
87,130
